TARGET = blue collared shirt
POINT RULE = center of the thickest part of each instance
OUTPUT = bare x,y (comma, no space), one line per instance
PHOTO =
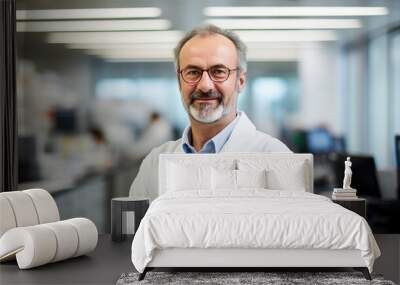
214,145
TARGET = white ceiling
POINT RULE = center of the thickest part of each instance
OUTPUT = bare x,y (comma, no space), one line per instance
178,16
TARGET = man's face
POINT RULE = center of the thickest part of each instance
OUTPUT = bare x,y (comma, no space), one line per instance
207,101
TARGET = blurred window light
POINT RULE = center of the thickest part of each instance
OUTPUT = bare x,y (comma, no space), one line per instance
275,24
303,11
287,36
169,36
97,13
92,25
352,96
395,86
273,99
120,88
378,103
269,89
151,90
161,93
243,102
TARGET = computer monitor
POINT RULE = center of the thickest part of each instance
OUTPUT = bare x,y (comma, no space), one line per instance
320,140
65,120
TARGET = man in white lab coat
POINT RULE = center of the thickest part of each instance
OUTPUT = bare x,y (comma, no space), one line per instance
211,69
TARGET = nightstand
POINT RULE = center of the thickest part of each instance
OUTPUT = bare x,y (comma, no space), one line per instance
126,212
357,205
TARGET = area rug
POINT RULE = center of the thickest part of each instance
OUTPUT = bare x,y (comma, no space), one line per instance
268,278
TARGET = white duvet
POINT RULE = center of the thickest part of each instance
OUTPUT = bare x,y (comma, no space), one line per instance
252,218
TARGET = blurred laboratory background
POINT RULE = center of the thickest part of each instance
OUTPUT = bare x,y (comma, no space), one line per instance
97,90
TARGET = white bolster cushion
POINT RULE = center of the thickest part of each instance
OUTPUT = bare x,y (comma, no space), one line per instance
67,240
46,207
87,235
26,208
33,246
40,244
7,219
23,208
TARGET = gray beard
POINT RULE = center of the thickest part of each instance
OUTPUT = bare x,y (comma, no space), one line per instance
207,114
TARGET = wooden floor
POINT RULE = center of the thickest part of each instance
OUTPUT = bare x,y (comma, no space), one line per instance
110,260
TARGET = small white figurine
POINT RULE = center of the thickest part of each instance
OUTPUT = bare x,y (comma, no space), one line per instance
347,174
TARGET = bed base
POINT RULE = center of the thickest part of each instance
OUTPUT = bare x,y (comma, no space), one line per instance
363,270
250,259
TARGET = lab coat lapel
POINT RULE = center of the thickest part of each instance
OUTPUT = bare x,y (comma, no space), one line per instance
243,131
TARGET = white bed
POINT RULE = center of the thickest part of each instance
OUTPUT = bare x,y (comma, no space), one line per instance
247,210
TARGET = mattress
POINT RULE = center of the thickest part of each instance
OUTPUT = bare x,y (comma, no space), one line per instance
251,218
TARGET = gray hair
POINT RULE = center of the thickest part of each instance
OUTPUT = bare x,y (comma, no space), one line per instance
211,30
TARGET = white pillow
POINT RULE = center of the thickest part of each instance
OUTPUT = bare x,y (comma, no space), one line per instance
236,179
181,177
223,179
251,178
290,178
281,174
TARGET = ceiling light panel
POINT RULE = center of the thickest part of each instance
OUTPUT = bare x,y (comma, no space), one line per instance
148,46
273,55
302,11
92,25
115,37
104,13
277,24
166,53
171,46
138,56
124,60
287,36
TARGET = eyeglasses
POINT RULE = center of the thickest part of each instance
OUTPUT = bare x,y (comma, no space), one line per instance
193,75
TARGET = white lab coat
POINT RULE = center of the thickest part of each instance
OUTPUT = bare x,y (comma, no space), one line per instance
244,138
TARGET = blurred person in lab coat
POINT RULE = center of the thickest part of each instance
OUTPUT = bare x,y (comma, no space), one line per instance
211,71
97,155
157,132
